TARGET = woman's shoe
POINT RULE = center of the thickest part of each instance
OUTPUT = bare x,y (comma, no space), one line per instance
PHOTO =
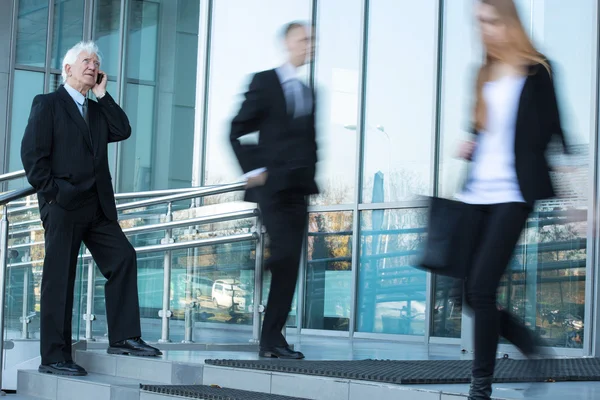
481,388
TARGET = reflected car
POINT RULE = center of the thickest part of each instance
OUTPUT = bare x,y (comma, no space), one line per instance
229,293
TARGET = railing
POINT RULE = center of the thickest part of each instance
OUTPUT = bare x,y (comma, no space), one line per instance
166,245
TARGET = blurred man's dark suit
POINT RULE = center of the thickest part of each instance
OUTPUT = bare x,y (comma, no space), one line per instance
282,110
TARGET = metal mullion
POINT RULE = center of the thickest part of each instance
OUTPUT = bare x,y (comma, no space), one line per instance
29,68
88,18
360,124
204,96
300,305
49,40
435,159
120,95
11,72
331,208
591,341
394,205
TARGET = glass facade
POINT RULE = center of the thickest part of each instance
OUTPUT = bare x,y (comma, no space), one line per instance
393,82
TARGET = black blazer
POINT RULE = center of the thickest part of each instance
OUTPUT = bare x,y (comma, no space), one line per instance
65,160
537,123
286,146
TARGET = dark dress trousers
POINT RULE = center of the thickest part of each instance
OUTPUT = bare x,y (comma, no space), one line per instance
287,149
66,161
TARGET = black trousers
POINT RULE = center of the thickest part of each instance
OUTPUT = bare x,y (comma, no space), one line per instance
64,232
284,216
500,226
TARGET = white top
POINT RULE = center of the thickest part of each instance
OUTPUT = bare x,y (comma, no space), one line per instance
493,179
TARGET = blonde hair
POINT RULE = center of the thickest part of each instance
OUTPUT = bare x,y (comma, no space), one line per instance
521,44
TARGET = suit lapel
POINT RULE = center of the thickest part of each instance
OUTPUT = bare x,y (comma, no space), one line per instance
94,119
75,115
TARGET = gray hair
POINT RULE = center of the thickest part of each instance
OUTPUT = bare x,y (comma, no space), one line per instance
74,52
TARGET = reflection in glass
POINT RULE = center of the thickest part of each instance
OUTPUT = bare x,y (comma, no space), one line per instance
212,284
400,99
142,41
26,86
24,276
67,29
391,291
337,83
447,307
545,282
32,29
329,271
233,60
106,33
161,108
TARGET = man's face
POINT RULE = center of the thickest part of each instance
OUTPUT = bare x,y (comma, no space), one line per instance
299,43
84,71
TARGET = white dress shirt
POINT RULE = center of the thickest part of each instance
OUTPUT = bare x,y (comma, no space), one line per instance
77,97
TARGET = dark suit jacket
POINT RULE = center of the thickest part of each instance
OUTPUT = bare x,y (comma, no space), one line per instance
286,147
537,123
66,161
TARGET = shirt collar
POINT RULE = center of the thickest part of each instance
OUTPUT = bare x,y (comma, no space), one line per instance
286,72
77,96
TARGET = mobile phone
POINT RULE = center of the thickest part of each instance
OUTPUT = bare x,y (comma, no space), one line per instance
99,78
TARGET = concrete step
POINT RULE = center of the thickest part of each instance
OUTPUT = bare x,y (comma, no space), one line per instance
91,387
157,370
321,388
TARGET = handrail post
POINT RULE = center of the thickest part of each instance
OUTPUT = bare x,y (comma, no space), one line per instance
3,266
257,307
89,313
25,319
190,300
166,313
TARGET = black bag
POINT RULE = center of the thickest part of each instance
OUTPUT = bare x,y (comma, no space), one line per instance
451,234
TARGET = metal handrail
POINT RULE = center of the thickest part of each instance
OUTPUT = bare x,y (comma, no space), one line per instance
236,215
241,237
15,194
207,191
161,196
12,175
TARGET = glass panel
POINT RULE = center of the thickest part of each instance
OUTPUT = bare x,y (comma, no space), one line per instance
32,30
24,274
391,291
26,86
328,295
217,281
67,29
400,100
546,282
337,83
136,158
106,22
142,40
232,60
159,153
447,307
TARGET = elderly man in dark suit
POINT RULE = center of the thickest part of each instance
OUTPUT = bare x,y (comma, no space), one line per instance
280,169
64,152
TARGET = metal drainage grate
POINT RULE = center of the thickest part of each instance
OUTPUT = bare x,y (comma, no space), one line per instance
429,371
212,393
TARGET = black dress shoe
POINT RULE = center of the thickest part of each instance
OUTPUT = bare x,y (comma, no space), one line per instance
283,352
133,347
63,368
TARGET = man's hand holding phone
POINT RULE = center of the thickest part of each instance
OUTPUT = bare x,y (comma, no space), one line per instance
100,88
